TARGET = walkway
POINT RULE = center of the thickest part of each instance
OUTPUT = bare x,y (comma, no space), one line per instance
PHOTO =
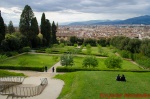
53,88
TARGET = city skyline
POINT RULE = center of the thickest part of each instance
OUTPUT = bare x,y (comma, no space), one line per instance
64,11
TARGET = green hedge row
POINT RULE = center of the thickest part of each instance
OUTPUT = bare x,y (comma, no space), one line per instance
32,68
73,69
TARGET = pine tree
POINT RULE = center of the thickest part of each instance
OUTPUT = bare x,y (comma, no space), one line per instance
2,29
11,28
54,30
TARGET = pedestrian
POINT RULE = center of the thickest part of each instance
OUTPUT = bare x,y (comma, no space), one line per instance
53,69
45,68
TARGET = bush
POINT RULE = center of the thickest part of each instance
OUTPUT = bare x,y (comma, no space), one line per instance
74,69
62,45
32,68
113,62
75,45
90,61
48,50
26,49
9,54
125,54
66,60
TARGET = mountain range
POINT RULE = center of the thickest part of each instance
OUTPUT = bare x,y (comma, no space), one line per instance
135,20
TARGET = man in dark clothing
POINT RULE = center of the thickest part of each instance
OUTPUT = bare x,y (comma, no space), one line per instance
118,78
53,69
123,78
45,68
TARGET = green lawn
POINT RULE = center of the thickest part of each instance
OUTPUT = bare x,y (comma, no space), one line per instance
89,85
6,73
126,64
31,60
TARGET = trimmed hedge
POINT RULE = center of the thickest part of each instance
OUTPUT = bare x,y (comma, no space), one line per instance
74,69
32,68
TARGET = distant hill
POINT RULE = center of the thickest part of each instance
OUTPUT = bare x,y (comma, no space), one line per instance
136,20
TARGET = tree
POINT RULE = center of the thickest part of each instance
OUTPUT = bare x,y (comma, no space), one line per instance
54,30
48,32
43,31
11,28
11,43
113,62
34,32
67,59
73,40
25,21
2,29
90,61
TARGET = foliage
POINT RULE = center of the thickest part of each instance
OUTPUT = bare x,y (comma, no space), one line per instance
90,41
125,54
2,29
2,57
54,30
73,40
90,61
32,68
113,62
75,45
67,60
6,73
25,20
11,43
26,49
102,42
11,28
48,50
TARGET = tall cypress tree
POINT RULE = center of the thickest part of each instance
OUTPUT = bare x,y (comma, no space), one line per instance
34,32
25,21
2,29
54,30
11,28
48,32
43,31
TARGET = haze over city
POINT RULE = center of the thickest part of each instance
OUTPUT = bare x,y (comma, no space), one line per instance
64,11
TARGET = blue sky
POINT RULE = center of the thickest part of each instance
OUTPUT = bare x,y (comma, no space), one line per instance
62,11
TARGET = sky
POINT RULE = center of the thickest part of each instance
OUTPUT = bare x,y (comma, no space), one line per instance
64,11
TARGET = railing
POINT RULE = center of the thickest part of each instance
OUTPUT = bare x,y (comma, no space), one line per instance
27,90
6,82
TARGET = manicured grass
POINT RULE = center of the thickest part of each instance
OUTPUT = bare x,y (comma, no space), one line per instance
94,51
89,85
31,60
6,73
125,65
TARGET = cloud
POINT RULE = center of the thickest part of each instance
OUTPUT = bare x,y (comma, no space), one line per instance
76,10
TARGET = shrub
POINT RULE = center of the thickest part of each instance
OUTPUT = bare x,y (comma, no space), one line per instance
90,61
113,62
125,54
62,45
26,49
48,50
66,60
32,68
75,45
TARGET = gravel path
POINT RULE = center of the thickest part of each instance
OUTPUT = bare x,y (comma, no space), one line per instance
53,88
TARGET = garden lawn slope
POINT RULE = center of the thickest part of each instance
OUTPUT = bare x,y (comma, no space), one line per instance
89,85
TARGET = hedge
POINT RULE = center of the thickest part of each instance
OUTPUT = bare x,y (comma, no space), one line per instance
32,68
74,69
